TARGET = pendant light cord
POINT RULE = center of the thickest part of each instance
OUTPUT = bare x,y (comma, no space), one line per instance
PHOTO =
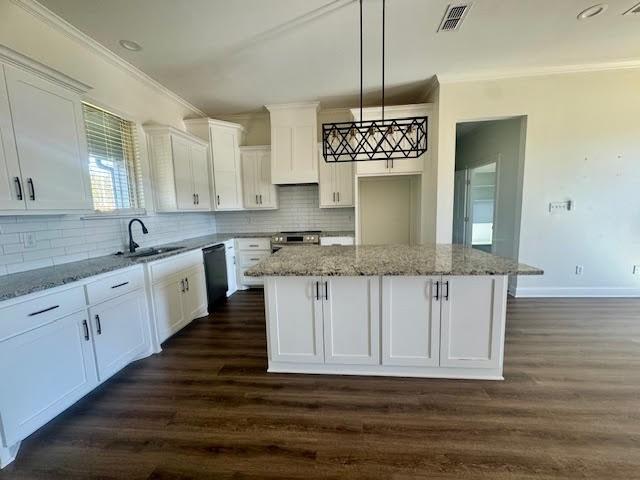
383,25
361,62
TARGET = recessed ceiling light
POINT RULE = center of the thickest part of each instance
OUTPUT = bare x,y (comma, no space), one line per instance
130,45
593,11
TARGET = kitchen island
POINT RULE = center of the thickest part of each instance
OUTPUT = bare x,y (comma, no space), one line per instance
395,310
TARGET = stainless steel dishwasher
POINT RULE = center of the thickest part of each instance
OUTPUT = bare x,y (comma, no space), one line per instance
215,267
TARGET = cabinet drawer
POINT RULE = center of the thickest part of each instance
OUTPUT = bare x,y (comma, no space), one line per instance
249,259
115,285
163,269
337,241
25,316
244,280
254,244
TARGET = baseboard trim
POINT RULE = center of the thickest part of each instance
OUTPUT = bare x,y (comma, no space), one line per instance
577,292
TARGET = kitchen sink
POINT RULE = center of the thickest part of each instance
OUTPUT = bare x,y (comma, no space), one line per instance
149,252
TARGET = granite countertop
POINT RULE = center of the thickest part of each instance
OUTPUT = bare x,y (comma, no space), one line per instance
386,260
339,233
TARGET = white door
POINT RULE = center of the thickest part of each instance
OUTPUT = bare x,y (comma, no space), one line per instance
407,165
282,150
43,372
200,172
305,166
351,312
226,168
327,182
472,321
372,167
51,143
195,296
250,189
119,332
266,189
410,321
12,195
344,184
185,193
295,319
167,302
232,279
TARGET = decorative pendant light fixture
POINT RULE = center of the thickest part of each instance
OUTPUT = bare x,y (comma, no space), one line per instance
374,139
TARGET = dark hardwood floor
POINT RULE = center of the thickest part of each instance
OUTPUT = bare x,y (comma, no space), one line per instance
206,408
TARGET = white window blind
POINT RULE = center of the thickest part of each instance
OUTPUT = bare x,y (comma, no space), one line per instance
114,163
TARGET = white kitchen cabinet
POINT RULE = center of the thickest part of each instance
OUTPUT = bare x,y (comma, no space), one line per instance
232,274
43,372
167,304
472,321
249,252
120,332
295,319
351,319
195,295
43,160
259,193
410,321
340,241
336,183
294,143
404,166
180,170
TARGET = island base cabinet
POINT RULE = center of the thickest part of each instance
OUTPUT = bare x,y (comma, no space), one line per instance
119,332
294,310
472,321
43,372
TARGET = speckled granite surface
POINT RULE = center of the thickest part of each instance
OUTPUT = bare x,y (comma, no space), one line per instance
387,260
23,283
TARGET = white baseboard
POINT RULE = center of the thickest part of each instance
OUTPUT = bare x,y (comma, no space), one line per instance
568,292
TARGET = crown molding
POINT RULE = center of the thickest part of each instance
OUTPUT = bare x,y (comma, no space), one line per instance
11,57
295,105
212,122
44,14
488,75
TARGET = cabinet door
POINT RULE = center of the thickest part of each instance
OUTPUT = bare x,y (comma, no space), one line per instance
282,153
372,167
11,187
43,372
266,189
327,182
195,296
119,332
305,153
472,321
250,179
407,165
232,279
226,168
167,302
295,319
182,174
227,192
351,312
410,321
51,143
344,184
200,172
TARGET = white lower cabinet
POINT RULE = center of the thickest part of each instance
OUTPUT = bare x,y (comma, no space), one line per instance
167,303
472,321
120,332
232,275
410,321
43,372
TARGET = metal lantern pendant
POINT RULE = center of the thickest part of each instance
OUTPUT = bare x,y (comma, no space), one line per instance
374,139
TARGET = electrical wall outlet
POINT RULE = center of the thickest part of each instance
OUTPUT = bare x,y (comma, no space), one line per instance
636,269
560,207
579,269
29,240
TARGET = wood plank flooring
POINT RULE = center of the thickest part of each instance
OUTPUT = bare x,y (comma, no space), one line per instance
206,408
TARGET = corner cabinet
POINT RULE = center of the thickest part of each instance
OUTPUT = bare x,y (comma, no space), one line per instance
336,183
294,131
44,165
224,140
180,170
258,191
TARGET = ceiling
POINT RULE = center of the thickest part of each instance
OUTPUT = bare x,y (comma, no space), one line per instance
234,56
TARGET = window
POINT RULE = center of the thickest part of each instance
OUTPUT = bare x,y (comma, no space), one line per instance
113,161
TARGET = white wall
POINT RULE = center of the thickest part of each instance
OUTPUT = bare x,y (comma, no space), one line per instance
299,210
582,144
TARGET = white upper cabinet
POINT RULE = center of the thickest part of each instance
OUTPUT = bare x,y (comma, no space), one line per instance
43,149
180,170
224,149
258,191
396,166
336,183
294,143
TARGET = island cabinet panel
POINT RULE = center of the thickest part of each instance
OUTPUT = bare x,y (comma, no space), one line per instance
351,313
472,321
47,369
119,332
295,319
411,321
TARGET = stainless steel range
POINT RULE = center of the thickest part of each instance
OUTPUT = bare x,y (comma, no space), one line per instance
282,239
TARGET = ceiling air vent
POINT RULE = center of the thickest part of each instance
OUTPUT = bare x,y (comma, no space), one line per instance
453,17
632,10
